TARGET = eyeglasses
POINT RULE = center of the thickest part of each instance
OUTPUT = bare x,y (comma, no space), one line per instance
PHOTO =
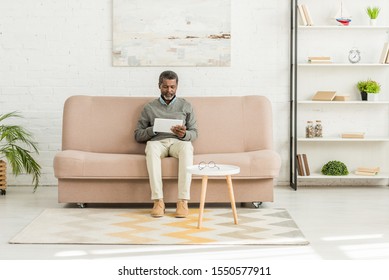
210,164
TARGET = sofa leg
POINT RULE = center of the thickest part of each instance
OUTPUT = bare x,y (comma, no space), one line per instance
256,204
81,205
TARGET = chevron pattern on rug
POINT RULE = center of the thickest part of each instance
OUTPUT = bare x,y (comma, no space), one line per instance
266,226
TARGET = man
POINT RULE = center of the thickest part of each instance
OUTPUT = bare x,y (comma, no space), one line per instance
176,144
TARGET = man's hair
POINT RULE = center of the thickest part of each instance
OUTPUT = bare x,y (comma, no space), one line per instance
169,75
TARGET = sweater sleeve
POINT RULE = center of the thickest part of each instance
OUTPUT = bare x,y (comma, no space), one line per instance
191,126
144,129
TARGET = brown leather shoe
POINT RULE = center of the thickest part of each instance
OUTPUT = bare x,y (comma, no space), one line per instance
182,210
158,209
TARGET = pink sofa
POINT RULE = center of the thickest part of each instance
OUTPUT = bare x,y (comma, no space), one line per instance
101,162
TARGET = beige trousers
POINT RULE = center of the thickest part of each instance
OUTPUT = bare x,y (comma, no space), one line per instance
156,151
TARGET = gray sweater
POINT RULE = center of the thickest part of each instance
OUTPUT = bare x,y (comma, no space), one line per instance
177,109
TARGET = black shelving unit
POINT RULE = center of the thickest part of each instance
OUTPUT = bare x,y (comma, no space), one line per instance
293,96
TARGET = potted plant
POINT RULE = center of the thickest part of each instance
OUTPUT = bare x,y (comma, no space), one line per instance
334,168
368,87
16,146
373,13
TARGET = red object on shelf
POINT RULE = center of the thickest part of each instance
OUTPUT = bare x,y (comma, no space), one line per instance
343,21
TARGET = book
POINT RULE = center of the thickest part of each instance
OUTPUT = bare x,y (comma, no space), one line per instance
319,58
363,173
306,165
303,19
307,15
324,96
341,98
353,135
302,165
300,168
387,58
369,169
384,53
320,61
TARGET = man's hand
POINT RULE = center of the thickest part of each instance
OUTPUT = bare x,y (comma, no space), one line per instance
179,130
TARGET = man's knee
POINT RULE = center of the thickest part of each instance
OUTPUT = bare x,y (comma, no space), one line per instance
153,148
186,147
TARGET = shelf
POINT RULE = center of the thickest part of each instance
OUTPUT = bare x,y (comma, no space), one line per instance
343,65
383,102
339,139
347,177
341,27
306,78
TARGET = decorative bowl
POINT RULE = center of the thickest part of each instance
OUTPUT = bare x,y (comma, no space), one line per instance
343,21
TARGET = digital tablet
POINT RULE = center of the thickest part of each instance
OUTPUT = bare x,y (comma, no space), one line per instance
165,125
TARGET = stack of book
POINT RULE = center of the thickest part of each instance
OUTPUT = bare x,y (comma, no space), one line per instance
353,135
319,59
367,171
384,59
324,95
302,165
305,15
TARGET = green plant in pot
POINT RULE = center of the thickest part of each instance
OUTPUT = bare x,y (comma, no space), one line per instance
373,13
334,168
17,145
368,87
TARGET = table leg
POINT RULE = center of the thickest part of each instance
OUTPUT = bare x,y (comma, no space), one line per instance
202,199
232,198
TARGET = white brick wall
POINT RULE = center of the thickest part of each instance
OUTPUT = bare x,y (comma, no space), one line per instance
52,49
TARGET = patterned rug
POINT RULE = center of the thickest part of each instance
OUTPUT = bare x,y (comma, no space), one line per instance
136,226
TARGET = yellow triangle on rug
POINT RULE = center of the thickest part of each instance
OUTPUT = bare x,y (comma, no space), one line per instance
265,226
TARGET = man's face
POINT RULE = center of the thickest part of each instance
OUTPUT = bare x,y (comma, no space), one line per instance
168,89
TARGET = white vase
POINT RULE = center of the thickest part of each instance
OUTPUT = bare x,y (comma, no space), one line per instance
372,97
373,22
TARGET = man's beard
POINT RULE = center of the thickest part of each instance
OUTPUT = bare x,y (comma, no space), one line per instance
168,97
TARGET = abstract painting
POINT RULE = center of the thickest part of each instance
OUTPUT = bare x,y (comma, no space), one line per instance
171,33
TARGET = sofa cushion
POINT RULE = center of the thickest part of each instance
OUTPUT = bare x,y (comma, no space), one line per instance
79,164
232,124
106,124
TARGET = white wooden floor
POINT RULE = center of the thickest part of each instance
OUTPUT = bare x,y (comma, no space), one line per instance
341,223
